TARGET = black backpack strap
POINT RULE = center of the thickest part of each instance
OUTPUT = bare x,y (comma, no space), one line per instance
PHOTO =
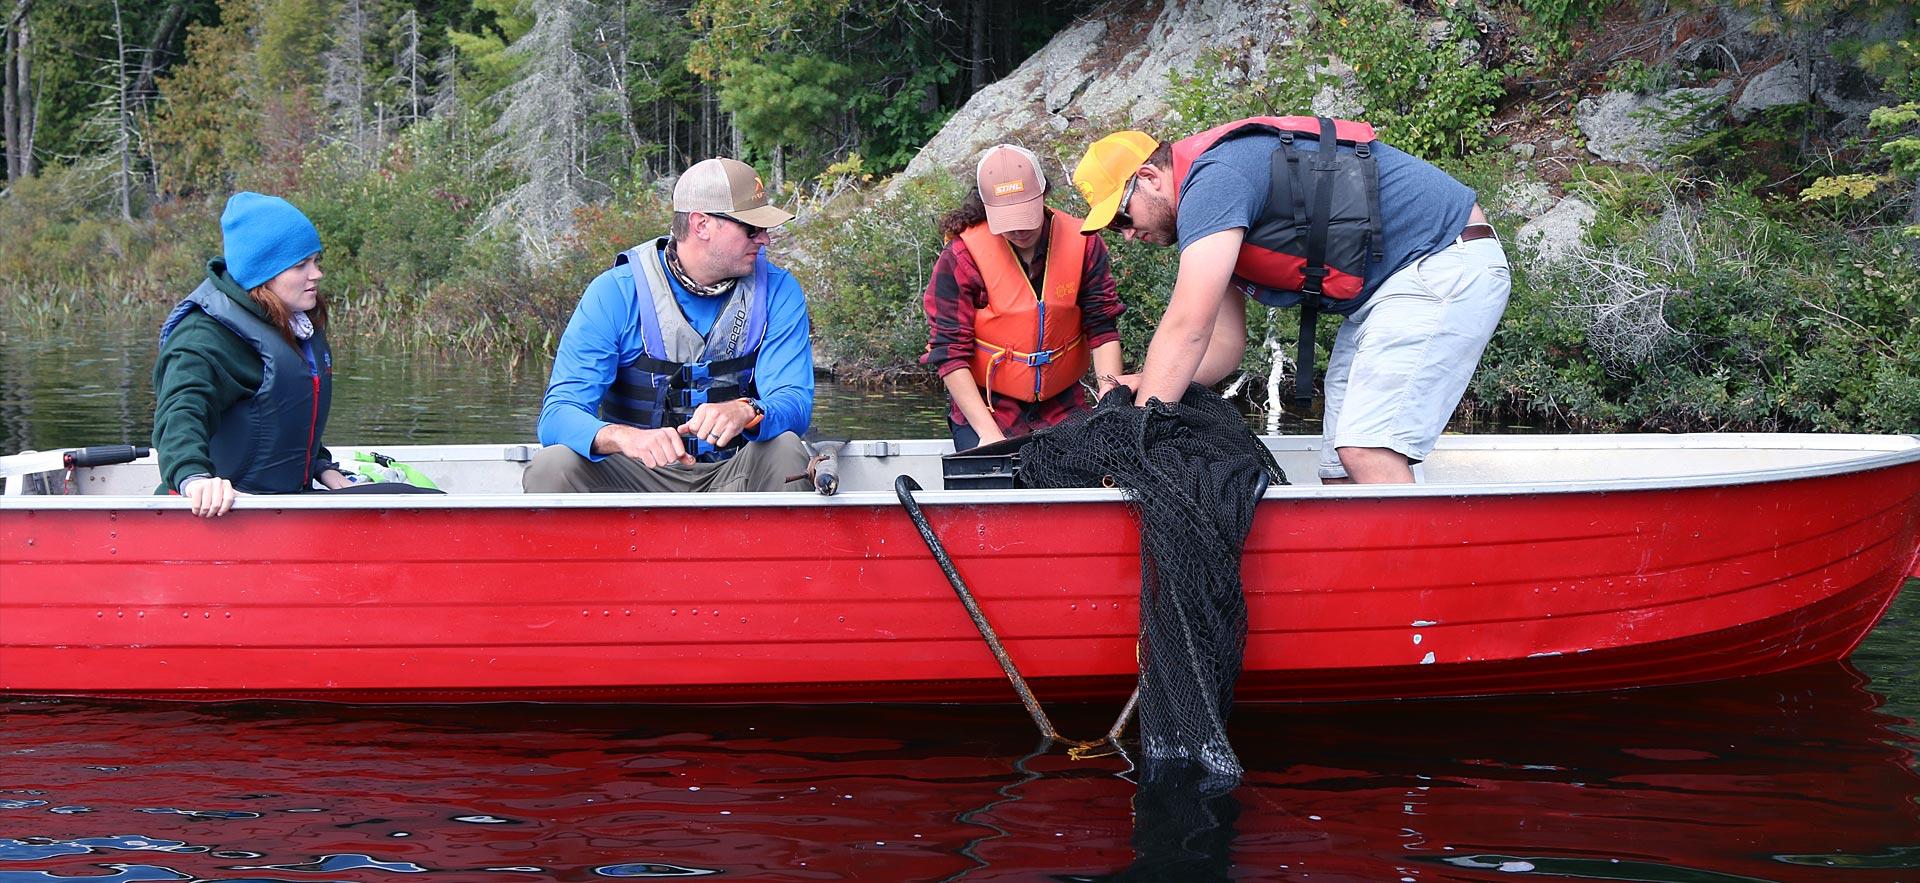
1370,170
1282,189
1326,162
1297,187
1303,354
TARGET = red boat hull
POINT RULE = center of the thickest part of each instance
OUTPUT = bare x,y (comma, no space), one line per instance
1353,597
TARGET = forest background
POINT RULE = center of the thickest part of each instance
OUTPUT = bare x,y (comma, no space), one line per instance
471,164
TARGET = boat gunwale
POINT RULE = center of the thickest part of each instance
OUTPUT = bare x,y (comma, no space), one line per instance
1887,453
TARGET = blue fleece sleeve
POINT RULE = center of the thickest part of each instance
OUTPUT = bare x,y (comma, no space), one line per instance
604,326
784,372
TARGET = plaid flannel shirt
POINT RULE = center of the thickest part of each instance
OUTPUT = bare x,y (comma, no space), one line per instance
957,291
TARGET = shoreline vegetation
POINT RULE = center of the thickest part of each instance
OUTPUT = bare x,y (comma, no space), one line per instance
472,165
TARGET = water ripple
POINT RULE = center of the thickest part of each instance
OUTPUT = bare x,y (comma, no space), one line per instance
341,862
652,869
38,848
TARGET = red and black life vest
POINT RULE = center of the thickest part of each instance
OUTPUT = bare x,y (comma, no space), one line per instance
1322,224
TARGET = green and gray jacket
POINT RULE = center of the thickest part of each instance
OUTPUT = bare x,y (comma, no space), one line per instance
233,399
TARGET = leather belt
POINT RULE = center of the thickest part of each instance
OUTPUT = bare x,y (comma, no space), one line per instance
1476,231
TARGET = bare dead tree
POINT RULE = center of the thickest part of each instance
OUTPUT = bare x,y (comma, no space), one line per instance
407,63
109,166
16,93
446,93
977,46
672,159
611,38
1624,290
123,130
546,127
346,74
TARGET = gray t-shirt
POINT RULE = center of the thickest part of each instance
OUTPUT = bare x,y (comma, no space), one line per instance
1421,208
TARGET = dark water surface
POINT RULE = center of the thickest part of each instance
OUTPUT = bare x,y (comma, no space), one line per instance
83,385
1810,776
1802,777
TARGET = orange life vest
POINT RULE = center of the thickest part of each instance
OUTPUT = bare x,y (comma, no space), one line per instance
1025,345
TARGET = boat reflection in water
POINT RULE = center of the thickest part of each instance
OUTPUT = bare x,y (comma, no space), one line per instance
1793,777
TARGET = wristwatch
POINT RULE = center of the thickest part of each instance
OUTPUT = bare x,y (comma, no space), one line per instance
759,413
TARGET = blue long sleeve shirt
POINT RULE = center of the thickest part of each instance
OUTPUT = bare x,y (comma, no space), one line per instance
604,334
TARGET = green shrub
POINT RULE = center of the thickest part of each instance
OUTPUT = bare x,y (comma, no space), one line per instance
66,242
1223,86
1641,78
1426,100
1431,101
396,223
865,266
1714,315
494,300
1550,22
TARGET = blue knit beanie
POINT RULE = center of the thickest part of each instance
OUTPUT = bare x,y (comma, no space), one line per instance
262,236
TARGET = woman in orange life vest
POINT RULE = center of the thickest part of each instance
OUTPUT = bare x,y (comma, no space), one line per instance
1020,304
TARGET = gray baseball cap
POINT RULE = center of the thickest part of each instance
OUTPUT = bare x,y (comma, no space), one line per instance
722,186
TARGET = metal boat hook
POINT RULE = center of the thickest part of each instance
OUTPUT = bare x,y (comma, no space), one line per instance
904,486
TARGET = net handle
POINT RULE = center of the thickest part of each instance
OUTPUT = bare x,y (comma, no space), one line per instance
903,487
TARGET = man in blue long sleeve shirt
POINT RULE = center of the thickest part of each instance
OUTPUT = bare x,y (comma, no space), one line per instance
691,345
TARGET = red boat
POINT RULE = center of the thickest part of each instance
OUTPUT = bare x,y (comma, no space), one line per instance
1520,564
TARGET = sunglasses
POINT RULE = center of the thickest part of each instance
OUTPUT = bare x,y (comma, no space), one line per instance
752,231
1121,220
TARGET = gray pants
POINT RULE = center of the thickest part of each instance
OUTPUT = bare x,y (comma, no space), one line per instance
760,466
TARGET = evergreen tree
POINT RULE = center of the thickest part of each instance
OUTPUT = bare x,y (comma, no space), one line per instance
202,132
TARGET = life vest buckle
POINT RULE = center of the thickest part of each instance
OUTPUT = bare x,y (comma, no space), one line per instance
1313,280
694,373
1044,357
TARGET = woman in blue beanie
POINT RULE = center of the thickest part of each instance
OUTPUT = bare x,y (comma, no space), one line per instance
244,376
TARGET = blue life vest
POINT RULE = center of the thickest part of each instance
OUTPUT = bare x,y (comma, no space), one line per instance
680,369
266,444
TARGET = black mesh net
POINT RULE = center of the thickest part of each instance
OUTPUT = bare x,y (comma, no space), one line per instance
1192,471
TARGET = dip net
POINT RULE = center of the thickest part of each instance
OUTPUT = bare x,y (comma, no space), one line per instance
1192,473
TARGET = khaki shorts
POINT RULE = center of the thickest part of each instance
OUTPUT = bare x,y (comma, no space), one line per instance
760,466
1402,361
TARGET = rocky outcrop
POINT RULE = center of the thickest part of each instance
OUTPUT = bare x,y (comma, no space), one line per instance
1625,127
1110,69
1558,233
1528,199
1113,69
1778,86
1832,85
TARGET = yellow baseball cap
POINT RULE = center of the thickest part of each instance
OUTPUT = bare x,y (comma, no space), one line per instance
1102,174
